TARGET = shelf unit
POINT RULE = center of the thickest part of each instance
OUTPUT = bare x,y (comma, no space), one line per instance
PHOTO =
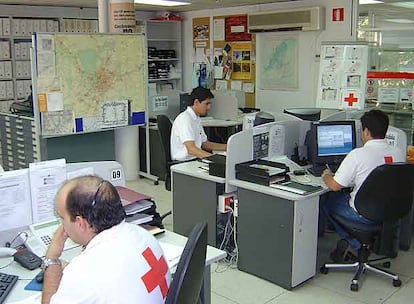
162,36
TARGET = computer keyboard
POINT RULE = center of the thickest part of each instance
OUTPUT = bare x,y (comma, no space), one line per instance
7,282
317,170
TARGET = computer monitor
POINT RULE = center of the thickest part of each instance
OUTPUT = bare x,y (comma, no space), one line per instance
330,141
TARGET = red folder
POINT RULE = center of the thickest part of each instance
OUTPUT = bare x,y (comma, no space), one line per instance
129,196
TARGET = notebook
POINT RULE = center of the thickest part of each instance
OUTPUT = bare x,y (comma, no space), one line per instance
298,188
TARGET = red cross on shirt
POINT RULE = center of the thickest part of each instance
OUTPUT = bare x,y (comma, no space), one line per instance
156,275
351,99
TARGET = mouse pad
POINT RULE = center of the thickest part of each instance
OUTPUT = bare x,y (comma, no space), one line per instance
34,285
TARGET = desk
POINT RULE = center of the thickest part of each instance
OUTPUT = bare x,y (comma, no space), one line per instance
194,198
277,233
18,293
219,130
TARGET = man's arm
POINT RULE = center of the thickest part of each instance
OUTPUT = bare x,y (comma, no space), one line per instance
193,150
53,273
328,178
212,146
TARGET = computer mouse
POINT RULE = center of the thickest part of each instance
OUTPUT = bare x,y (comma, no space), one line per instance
39,277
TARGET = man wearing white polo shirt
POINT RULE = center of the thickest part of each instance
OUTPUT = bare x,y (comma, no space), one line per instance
120,262
353,171
188,139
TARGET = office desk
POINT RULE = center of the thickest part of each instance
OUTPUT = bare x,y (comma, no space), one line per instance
194,198
277,233
18,293
219,130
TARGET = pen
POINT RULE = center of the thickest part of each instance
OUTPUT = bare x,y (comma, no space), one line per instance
327,167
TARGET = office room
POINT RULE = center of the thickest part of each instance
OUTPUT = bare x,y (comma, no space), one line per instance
280,264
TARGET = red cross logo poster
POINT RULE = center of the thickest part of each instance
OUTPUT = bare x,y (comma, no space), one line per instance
352,99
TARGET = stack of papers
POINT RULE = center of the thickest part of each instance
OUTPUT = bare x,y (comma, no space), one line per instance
137,207
139,218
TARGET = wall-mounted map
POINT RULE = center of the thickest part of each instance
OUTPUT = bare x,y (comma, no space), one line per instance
88,74
277,62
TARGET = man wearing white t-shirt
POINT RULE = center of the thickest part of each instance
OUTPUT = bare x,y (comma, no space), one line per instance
188,139
121,262
353,171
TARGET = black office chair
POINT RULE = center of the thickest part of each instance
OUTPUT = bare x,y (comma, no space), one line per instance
385,197
188,278
164,130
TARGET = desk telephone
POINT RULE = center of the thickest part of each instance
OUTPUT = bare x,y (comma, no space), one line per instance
40,235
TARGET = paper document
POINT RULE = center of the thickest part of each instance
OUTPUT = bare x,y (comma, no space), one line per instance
45,180
15,203
172,253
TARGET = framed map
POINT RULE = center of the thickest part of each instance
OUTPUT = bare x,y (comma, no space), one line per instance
98,79
277,62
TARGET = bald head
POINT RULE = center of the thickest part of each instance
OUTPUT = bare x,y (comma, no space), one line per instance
94,199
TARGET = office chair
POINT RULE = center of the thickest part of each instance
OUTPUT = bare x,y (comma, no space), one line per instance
188,278
164,130
385,197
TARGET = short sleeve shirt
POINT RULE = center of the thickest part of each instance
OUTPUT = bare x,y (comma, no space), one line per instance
359,163
186,127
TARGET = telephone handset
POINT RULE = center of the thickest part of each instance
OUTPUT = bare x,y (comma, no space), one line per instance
40,236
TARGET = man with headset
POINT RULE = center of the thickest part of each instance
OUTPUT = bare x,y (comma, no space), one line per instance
120,262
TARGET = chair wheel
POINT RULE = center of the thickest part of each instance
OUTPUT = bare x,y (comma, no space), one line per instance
354,287
156,183
324,270
396,283
386,264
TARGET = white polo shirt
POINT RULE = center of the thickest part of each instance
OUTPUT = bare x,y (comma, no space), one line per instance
124,264
359,163
186,127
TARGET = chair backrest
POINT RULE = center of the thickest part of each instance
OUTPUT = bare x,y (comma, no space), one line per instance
387,193
164,129
188,278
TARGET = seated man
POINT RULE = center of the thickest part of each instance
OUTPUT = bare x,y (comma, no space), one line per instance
120,262
352,172
188,139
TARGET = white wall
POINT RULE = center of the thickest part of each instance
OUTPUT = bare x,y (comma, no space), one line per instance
308,46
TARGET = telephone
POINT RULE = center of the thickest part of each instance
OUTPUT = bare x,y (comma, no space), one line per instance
40,235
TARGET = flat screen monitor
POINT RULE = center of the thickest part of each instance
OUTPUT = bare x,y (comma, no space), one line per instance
331,141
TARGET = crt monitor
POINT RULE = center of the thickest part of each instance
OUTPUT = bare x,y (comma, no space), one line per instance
330,141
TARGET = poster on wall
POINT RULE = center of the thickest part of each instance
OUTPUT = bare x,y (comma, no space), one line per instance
236,28
342,75
242,60
277,62
201,32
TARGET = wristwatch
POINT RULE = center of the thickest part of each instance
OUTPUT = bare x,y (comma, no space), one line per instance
46,262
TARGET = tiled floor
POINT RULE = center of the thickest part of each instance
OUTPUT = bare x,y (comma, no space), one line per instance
233,286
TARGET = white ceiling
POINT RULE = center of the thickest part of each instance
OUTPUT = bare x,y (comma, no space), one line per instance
380,11
195,4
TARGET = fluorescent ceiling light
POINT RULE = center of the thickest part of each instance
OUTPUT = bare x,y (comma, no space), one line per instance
405,4
400,20
161,2
370,1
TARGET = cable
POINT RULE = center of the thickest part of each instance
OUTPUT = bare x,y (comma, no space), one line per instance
26,236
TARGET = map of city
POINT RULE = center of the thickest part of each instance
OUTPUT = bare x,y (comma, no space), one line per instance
277,63
93,71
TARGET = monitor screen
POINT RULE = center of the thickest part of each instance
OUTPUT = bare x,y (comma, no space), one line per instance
330,141
334,139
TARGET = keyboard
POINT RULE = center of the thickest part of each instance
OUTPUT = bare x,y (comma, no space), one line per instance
317,170
7,282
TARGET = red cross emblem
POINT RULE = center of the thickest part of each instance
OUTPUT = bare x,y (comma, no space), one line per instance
156,275
351,99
